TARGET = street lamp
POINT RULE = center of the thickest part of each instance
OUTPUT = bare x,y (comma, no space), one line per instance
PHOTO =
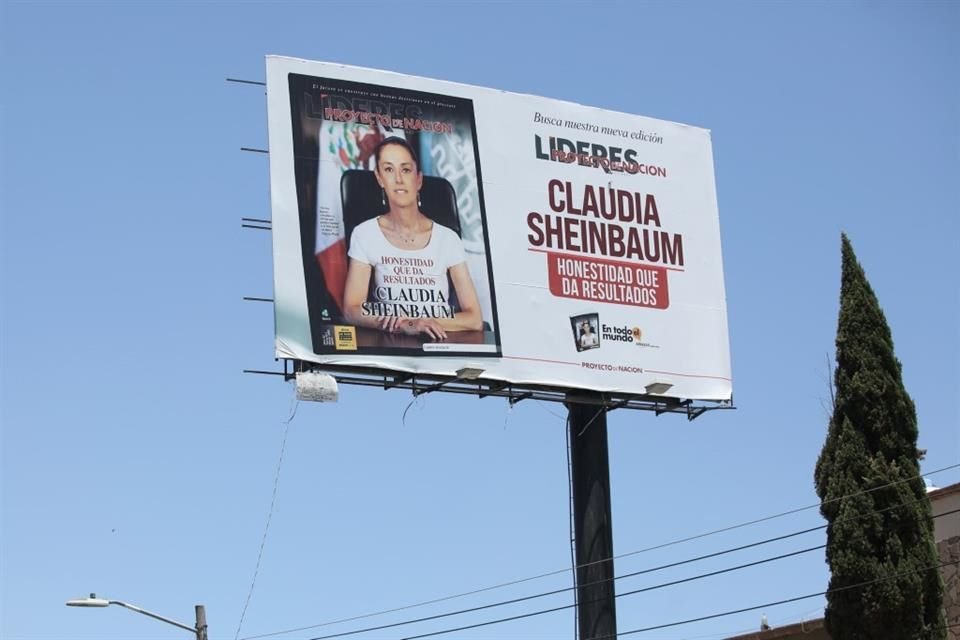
199,630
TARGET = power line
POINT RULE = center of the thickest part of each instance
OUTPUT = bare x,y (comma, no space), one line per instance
713,616
627,593
561,571
781,514
566,589
266,528
690,620
619,595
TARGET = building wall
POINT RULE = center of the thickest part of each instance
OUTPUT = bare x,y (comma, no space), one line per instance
942,501
949,552
946,531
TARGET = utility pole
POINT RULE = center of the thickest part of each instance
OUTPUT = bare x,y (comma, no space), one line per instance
201,622
593,526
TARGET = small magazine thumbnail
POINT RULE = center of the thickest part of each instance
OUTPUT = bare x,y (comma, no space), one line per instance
586,331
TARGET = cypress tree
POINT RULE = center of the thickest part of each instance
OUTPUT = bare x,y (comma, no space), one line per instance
879,525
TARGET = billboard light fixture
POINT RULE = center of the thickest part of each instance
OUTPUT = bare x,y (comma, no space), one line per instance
469,373
658,388
464,374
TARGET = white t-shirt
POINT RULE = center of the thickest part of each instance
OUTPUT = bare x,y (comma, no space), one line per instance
407,282
588,340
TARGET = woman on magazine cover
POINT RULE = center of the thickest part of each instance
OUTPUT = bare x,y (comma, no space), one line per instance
588,338
409,257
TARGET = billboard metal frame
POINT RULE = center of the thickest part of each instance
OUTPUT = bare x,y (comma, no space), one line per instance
420,384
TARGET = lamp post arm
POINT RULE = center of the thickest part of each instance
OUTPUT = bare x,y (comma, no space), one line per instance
155,616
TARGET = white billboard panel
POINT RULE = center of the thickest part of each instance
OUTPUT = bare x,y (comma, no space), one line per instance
427,226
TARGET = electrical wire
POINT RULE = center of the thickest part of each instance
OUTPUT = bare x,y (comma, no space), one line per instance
689,620
573,552
634,574
779,515
662,585
266,529
543,405
601,410
564,589
403,418
624,555
713,616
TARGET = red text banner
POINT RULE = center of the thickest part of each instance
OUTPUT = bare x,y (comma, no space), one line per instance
610,281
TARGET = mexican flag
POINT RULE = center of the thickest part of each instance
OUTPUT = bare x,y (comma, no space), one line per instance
342,146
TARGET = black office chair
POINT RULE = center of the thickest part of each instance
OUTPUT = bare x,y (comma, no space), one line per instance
362,199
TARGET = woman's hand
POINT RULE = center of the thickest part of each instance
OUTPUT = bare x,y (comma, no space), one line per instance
413,326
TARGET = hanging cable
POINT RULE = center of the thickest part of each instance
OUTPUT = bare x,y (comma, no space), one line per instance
682,622
619,595
573,552
713,616
781,514
266,529
564,589
631,553
705,557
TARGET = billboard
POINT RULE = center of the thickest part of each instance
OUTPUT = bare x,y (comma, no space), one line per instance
426,226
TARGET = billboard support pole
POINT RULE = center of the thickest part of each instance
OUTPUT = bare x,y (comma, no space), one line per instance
593,528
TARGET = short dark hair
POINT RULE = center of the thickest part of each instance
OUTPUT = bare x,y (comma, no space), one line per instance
397,141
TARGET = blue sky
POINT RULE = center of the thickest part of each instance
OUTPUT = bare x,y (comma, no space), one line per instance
139,462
